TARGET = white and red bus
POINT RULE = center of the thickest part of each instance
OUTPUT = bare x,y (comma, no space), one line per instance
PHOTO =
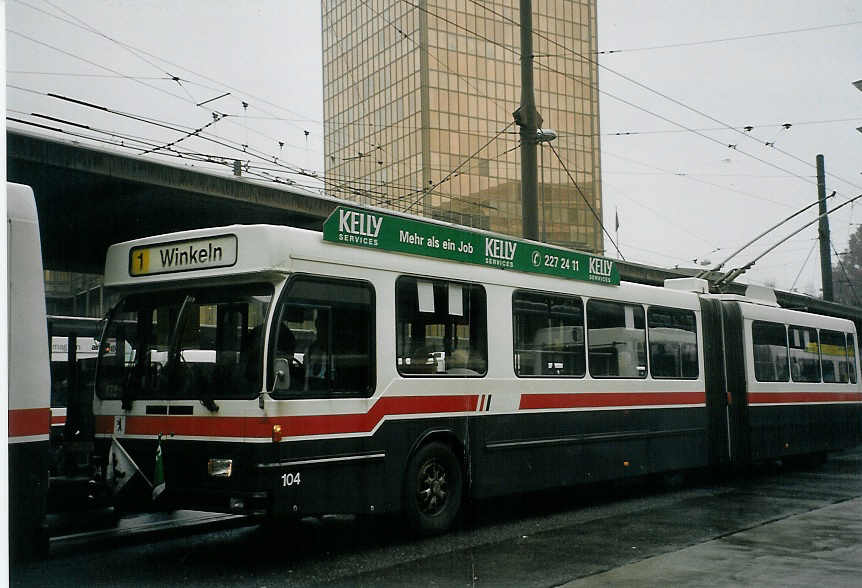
29,377
393,364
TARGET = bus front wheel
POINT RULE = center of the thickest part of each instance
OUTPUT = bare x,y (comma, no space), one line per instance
433,489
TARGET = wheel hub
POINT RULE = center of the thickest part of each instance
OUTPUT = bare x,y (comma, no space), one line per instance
432,490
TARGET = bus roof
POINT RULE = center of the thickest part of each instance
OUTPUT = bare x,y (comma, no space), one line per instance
264,252
372,229
251,252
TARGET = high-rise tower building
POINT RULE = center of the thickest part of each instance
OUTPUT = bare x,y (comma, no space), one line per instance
418,103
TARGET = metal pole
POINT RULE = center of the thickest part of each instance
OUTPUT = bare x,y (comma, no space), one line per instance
527,117
425,106
542,167
825,257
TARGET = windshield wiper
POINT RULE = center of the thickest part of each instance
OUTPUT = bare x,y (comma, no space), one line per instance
175,348
171,371
130,379
209,404
175,355
205,399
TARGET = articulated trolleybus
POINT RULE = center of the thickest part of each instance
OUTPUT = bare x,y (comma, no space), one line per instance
393,364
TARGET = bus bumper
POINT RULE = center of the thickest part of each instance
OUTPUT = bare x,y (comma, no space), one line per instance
256,503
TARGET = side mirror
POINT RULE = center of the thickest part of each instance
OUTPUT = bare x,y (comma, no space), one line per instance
281,381
282,374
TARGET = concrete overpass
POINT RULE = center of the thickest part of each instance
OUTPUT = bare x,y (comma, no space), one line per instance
89,198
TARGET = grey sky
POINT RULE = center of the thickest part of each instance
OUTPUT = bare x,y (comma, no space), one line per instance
267,53
791,78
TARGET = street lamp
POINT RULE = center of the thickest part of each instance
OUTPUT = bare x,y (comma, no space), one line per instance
544,136
548,135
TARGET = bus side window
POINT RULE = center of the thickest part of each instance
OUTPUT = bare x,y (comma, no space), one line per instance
440,328
833,357
769,341
851,356
617,340
672,343
323,341
549,335
804,354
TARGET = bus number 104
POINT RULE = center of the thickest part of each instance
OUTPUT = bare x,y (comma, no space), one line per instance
290,479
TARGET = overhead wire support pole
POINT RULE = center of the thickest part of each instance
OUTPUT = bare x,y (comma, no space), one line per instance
823,233
528,119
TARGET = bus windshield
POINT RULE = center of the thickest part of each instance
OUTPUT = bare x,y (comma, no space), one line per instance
203,343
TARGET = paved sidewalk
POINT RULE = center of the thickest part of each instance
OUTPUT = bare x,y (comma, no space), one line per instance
820,547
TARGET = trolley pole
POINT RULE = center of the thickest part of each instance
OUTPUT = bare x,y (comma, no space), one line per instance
529,121
825,258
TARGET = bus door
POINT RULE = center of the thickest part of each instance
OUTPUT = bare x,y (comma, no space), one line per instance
322,351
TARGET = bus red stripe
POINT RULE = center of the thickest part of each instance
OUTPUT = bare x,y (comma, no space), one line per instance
609,399
103,424
802,397
29,421
292,426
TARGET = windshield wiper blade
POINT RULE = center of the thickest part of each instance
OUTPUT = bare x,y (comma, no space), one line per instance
209,404
175,349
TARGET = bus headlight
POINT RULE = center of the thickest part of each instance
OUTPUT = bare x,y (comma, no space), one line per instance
220,468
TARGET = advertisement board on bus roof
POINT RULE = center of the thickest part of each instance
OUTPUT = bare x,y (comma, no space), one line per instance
375,230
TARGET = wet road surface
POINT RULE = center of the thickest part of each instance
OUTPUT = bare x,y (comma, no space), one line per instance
783,526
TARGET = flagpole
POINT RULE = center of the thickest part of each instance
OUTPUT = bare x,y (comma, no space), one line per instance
617,227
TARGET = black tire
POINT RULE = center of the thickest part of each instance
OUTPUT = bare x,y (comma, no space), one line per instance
433,489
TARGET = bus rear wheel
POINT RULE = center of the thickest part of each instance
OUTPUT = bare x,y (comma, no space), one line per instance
433,489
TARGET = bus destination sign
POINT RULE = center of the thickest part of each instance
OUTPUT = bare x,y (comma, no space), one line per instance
183,256
363,228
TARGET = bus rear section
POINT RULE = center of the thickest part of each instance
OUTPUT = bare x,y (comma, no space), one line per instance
29,378
793,383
